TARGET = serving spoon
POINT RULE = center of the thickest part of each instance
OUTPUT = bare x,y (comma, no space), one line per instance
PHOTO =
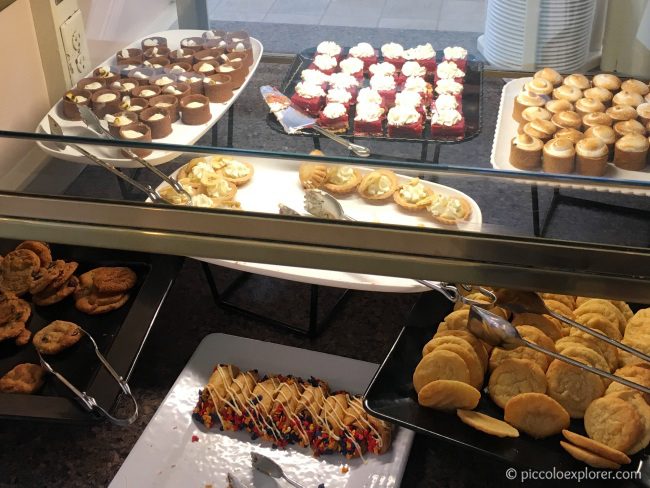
499,332
269,467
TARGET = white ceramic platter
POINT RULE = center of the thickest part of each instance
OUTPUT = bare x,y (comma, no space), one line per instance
506,129
166,456
181,134
276,181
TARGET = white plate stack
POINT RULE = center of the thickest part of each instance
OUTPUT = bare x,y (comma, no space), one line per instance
522,34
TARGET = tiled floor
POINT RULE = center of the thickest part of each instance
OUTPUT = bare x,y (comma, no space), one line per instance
435,15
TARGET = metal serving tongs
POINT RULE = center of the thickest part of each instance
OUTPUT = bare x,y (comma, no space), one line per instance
56,129
88,402
321,204
497,331
92,122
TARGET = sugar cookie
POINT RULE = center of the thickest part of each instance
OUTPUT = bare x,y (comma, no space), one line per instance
536,414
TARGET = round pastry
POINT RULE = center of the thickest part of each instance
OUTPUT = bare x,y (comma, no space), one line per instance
119,120
581,82
91,84
549,74
568,93
237,172
236,70
635,86
630,152
586,106
614,422
154,41
596,118
628,98
159,121
412,196
206,68
621,112
607,81
218,88
56,337
71,101
181,56
625,127
142,74
137,132
557,106
342,179
559,156
378,185
109,75
129,56
177,68
574,135
600,94
591,157
523,101
643,112
136,105
146,91
195,109
526,152
210,54
541,129
572,387
513,377
605,134
105,101
163,80
156,52
125,86
536,414
448,210
539,86
567,119
157,63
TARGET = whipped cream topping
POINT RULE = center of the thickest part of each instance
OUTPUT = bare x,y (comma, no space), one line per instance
151,42
342,175
633,143
177,69
369,95
448,86
208,58
343,80
591,147
123,86
413,191
314,76
157,116
362,50
413,68
423,51
449,69
560,147
447,102
147,93
415,83
351,65
202,201
180,53
239,47
385,69
527,142
95,85
217,186
106,97
164,80
334,110
194,105
133,108
308,90
392,50
410,98
446,207
140,75
236,169
131,134
225,68
402,115
382,83
205,67
189,43
368,112
378,185
118,121
124,53
325,62
446,117
339,95
172,90
455,52
202,168
328,47
154,51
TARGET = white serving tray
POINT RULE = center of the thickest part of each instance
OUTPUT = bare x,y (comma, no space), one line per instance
506,129
181,134
276,181
165,456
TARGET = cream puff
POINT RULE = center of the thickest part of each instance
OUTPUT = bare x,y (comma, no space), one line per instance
549,74
630,152
591,157
526,152
559,156
378,185
412,196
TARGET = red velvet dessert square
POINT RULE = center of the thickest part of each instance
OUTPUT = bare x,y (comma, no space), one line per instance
459,107
429,64
460,79
310,105
368,128
388,97
456,130
338,125
367,61
326,71
410,131
397,62
461,63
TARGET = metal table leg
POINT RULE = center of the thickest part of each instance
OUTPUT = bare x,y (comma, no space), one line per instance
231,124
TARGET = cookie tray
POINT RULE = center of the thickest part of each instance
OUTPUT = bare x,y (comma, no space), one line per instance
391,397
472,104
120,335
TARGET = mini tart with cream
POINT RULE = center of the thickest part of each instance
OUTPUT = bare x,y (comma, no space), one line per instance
526,152
342,179
549,74
237,172
195,168
216,186
412,196
559,156
378,185
591,157
448,209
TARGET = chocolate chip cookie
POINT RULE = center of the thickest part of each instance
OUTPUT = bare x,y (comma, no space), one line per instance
41,249
56,337
24,378
17,269
50,297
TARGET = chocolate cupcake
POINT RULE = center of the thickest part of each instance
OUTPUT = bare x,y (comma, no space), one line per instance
559,156
557,106
195,109
137,132
626,127
155,52
242,47
194,81
105,101
192,43
567,119
159,121
635,86
177,68
605,134
591,157
179,90
237,72
125,86
630,152
108,74
621,112
71,101
600,94
157,63
581,82
163,80
168,102
586,106
133,104
211,54
206,68
632,99
120,119
154,41
132,55
607,81
142,74
526,152
573,135
182,56
540,129
146,91
218,88
596,118
91,84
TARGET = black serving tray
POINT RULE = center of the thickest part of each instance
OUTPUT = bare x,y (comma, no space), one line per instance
119,334
391,397
472,104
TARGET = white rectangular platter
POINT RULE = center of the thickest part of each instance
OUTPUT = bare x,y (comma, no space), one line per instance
506,129
166,456
181,134
276,181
